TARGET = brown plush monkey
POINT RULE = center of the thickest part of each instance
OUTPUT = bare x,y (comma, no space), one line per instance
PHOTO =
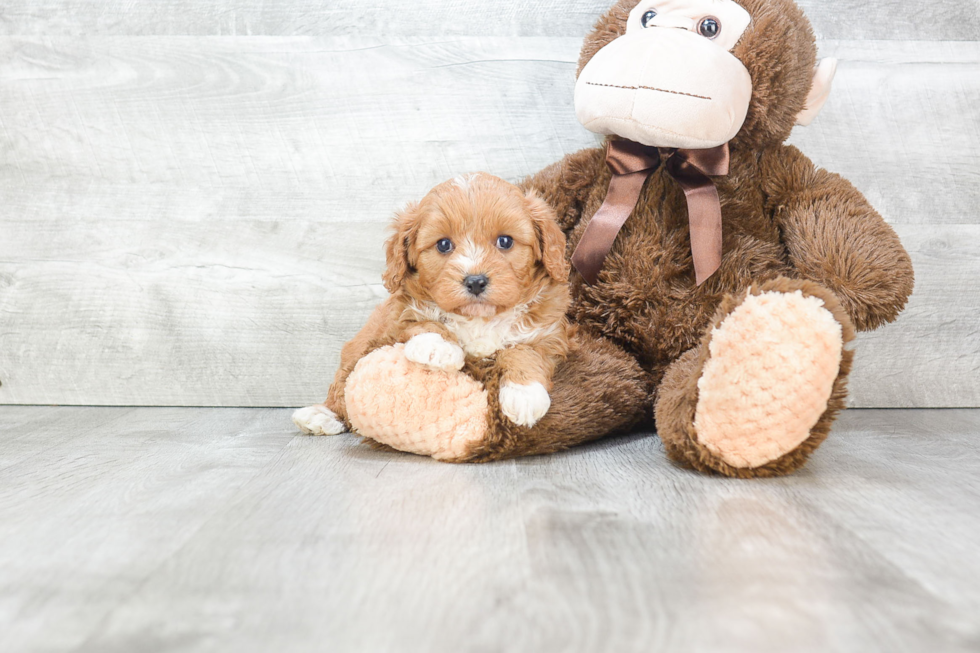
719,273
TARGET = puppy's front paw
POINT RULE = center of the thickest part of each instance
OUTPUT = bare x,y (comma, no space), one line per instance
524,405
318,420
431,350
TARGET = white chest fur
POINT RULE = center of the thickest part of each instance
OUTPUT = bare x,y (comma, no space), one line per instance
482,337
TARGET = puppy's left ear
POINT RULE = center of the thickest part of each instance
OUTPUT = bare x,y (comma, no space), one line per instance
551,240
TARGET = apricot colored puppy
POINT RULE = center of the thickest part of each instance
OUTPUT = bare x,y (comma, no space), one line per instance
476,268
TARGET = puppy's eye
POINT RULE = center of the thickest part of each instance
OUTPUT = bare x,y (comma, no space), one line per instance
647,17
709,27
505,242
444,246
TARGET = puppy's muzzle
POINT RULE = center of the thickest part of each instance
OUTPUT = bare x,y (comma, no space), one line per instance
476,284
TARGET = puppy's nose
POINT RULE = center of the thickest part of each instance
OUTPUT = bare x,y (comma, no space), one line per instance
476,283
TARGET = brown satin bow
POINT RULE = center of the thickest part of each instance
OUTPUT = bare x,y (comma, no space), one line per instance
632,164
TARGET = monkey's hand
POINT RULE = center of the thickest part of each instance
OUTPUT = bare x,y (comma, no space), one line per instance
835,237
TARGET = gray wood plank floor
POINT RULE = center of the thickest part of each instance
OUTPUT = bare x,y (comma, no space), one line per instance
141,529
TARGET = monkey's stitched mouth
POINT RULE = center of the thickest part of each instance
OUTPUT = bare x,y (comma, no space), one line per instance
650,88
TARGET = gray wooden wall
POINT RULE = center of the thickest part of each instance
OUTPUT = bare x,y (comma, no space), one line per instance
193,193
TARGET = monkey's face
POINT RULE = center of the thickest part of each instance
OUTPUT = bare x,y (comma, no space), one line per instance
671,80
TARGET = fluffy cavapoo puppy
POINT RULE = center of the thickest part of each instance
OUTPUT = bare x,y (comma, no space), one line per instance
476,268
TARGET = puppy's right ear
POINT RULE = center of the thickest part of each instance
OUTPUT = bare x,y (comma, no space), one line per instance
399,259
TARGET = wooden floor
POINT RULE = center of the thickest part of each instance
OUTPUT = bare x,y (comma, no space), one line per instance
155,529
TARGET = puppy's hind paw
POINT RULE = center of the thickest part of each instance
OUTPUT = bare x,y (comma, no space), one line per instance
524,405
431,350
318,420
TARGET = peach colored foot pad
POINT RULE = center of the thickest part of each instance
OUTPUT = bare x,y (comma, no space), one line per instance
413,408
771,370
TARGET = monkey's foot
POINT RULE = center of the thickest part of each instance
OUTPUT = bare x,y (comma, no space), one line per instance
419,409
761,392
770,371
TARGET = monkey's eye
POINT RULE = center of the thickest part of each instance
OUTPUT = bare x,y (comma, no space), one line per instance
647,17
709,27
444,246
505,242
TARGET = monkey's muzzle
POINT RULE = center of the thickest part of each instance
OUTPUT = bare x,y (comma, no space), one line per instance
664,87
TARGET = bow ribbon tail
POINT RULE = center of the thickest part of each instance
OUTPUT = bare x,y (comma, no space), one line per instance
692,170
631,165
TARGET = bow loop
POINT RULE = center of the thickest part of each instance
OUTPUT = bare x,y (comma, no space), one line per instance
712,162
627,157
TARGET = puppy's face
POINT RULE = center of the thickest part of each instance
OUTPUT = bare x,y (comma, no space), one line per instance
476,246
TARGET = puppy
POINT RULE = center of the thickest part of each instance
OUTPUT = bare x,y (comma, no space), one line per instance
474,269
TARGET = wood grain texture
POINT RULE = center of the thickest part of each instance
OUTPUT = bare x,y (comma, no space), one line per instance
901,123
198,221
340,129
219,530
930,356
97,500
842,19
228,312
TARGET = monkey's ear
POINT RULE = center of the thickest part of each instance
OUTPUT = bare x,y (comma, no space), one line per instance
398,248
823,75
551,240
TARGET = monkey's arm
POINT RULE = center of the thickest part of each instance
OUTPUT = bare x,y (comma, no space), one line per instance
565,185
835,237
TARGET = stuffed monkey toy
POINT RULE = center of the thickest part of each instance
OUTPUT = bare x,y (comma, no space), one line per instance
718,275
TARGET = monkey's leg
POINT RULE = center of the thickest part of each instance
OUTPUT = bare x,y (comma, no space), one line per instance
597,391
761,391
416,408
456,416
